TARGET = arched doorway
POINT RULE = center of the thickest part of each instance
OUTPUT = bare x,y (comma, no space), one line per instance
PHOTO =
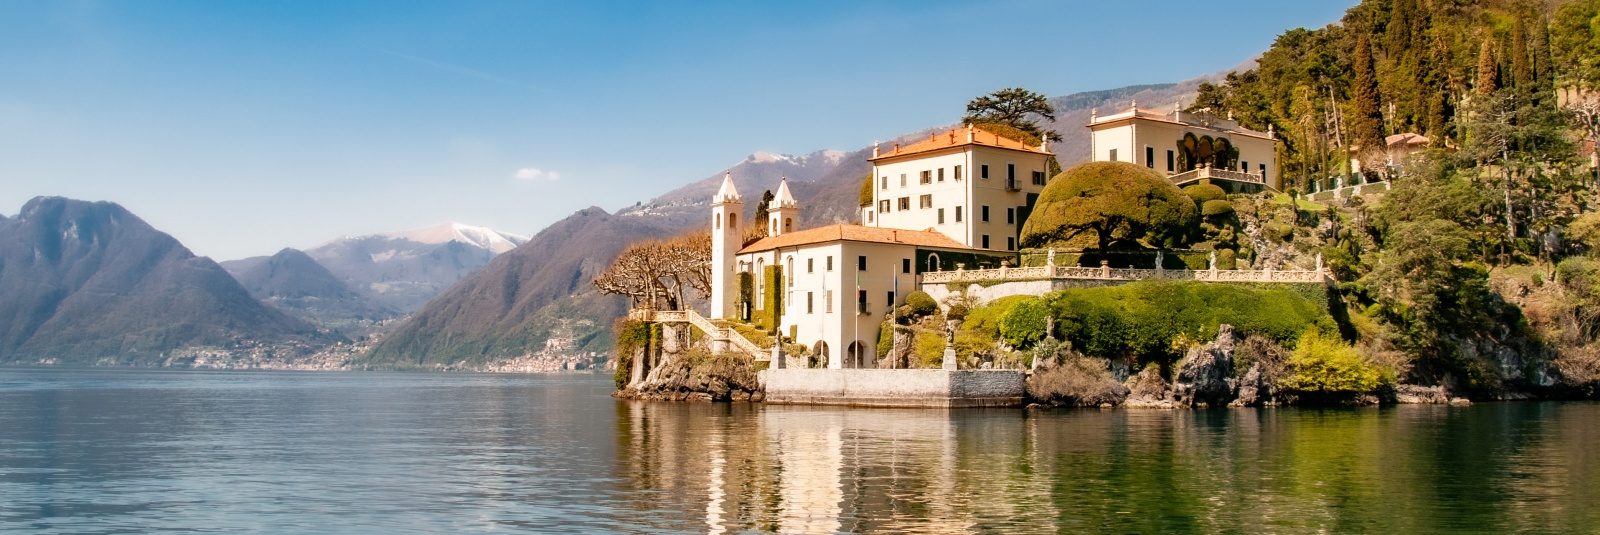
857,356
933,262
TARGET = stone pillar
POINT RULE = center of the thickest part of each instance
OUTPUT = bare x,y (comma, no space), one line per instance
1105,269
777,355
949,357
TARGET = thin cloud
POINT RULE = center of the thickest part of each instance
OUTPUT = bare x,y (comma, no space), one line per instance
529,174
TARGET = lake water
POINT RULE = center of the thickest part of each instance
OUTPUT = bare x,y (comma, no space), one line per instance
102,451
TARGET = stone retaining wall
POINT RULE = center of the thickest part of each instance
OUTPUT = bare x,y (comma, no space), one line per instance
894,388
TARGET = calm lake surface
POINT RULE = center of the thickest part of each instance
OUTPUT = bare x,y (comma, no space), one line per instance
98,451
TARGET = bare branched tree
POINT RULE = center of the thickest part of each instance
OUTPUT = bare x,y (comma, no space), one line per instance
659,274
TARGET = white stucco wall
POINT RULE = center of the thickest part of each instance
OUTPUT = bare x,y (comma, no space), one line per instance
971,193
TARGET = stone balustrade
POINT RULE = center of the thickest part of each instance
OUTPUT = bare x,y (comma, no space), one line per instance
1126,274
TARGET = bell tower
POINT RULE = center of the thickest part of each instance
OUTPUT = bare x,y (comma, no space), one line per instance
727,236
784,214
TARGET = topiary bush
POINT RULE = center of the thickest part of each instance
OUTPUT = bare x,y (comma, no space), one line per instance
1216,208
1203,193
921,303
1110,201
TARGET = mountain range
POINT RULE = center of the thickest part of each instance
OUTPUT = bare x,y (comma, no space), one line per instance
90,283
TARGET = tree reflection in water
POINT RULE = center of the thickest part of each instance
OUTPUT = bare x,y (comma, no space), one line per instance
749,467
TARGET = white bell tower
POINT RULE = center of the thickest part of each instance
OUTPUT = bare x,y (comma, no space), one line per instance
784,213
727,236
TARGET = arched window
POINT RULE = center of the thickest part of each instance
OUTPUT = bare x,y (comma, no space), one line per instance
733,221
788,225
761,282
933,262
718,223
788,272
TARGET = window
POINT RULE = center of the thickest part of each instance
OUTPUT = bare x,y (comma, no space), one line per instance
790,272
925,201
1113,155
869,217
958,172
983,171
983,214
891,299
1245,167
1150,157
905,203
809,308
811,265
1038,178
1011,173
1011,216
941,174
830,263
718,222
885,183
927,177
905,265
1171,159
985,241
861,263
1263,175
1011,243
861,301
902,180
827,301
941,216
958,214
883,206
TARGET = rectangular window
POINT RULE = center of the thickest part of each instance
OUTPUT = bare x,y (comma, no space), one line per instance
925,201
1244,166
811,265
905,203
861,263
905,265
869,217
958,172
809,308
1113,155
985,241
1171,162
883,206
1011,216
1011,173
891,299
885,183
1150,157
983,171
941,174
958,214
1263,172
1038,178
941,216
1011,243
927,177
902,180
830,263
861,301
983,213
827,301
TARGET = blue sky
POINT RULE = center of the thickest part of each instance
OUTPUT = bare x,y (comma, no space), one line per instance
244,127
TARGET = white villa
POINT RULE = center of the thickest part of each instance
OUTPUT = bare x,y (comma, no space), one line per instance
954,200
1188,147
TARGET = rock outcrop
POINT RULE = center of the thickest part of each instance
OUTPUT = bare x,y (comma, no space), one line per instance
1205,375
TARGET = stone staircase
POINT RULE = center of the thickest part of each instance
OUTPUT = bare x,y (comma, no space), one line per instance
723,339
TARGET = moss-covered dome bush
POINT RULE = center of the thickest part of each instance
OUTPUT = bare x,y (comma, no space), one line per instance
1216,207
1111,201
1201,193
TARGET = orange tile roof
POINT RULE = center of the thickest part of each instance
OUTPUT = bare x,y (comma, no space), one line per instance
957,137
843,232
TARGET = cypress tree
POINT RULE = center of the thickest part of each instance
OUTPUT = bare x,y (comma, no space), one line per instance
1399,28
1542,70
1368,121
1486,69
1521,72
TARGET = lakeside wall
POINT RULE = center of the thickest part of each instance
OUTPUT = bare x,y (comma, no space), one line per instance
894,388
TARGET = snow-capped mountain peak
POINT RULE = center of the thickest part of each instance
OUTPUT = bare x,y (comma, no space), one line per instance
481,237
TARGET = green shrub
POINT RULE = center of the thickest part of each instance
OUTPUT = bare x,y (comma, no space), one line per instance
928,348
957,312
1204,193
921,303
1227,259
1024,322
1216,208
1324,364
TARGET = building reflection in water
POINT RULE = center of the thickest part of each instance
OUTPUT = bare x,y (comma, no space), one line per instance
747,467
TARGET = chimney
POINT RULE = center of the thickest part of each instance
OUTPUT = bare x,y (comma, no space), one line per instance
970,137
874,149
